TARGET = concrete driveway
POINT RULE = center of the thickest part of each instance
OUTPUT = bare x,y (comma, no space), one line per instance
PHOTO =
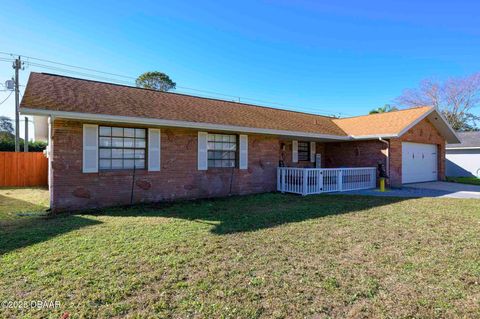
454,190
429,189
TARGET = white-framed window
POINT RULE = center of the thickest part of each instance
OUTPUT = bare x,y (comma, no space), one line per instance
303,151
121,148
222,150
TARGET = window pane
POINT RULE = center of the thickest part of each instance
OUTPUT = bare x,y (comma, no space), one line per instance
116,164
127,153
211,145
128,142
117,142
129,132
105,164
139,132
117,131
226,138
105,141
211,163
225,155
120,152
140,163
105,131
117,153
128,164
139,143
211,137
233,138
105,153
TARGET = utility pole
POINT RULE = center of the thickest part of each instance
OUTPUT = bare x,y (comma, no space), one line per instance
17,66
25,143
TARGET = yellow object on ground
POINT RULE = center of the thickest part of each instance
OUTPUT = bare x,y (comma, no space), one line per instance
382,184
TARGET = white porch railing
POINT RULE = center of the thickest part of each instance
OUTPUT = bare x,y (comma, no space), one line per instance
307,181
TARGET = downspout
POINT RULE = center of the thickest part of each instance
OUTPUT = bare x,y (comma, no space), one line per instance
49,154
388,154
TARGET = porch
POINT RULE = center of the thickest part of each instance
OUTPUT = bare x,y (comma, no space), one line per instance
306,181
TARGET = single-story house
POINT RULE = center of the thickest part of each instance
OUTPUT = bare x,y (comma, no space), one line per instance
111,144
463,160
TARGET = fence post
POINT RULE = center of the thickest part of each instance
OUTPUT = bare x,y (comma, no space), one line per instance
278,179
282,180
305,182
340,180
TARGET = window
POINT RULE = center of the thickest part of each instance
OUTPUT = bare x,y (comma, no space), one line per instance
121,148
222,150
303,151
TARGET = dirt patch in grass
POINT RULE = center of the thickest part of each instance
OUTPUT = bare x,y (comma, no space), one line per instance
258,256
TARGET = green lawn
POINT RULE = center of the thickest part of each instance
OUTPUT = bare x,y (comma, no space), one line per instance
464,180
267,256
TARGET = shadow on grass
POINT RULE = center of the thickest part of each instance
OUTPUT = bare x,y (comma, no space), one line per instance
29,225
254,212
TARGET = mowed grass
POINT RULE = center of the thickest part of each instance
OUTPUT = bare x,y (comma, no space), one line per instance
16,201
465,180
261,256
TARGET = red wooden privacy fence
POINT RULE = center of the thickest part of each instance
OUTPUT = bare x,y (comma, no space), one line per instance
23,169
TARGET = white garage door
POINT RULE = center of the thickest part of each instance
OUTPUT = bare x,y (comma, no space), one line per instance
419,162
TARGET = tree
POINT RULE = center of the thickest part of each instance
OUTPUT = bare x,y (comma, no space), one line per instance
6,124
384,109
156,81
455,98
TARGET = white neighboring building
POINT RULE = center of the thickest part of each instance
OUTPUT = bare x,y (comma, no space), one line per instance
464,159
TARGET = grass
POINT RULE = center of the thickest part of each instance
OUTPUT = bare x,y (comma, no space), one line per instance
17,201
258,256
465,180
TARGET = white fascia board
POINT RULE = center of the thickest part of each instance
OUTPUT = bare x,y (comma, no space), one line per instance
464,148
373,137
173,123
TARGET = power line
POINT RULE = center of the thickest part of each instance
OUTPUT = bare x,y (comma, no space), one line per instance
102,78
6,98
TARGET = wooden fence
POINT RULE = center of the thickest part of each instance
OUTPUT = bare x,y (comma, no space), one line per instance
23,169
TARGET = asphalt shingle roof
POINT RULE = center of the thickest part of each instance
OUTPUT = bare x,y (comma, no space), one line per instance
61,93
468,139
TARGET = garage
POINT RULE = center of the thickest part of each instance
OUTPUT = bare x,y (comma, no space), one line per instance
419,162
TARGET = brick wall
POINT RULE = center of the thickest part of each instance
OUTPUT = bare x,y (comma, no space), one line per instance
423,132
355,154
178,178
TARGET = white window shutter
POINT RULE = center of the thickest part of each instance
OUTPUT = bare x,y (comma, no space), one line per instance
243,163
312,152
295,151
202,151
154,149
90,148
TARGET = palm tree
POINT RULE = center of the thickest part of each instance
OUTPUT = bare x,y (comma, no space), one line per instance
384,109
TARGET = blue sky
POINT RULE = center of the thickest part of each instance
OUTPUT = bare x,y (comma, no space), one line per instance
327,57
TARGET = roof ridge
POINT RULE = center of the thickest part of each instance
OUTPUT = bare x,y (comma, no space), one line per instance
184,94
374,114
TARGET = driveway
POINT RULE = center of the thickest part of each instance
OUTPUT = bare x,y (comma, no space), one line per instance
429,189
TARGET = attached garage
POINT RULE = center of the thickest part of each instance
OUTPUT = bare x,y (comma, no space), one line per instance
419,162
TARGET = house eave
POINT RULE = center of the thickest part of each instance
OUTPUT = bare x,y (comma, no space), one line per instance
179,124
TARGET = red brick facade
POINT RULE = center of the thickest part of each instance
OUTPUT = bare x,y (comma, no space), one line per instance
423,132
179,177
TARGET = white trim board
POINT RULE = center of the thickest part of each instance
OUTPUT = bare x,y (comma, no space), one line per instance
449,132
183,124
